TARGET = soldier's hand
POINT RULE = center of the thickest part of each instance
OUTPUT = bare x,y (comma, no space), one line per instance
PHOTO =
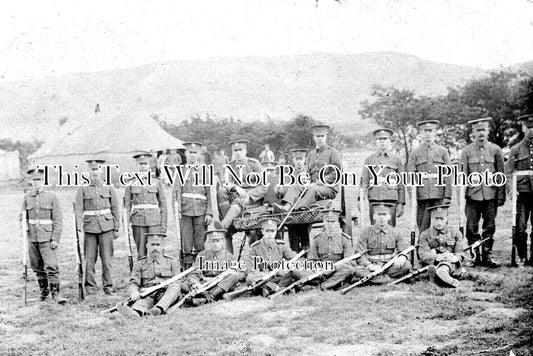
208,219
372,267
241,193
115,235
400,261
446,201
135,295
399,210
54,244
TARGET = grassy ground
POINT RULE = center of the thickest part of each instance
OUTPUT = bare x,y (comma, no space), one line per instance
490,314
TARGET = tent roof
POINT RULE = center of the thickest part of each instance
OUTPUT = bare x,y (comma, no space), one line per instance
102,134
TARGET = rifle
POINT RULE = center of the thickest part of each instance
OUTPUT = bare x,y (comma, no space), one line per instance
243,242
413,223
410,275
315,275
379,271
306,188
461,193
514,214
363,206
153,289
261,281
476,245
79,259
24,232
128,233
204,288
177,220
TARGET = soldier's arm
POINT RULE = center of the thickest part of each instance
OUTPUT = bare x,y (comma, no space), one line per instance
459,245
176,191
313,251
500,168
362,246
411,167
401,186
288,253
336,159
78,207
365,174
509,169
115,209
57,219
463,167
135,279
347,245
447,180
427,256
209,207
161,198
401,241
128,199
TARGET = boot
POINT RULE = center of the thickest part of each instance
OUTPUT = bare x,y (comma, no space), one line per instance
233,212
155,311
488,261
443,275
54,287
43,285
217,292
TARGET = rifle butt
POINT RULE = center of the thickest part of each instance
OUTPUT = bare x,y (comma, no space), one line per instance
130,263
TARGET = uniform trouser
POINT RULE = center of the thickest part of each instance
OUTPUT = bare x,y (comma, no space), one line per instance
192,237
94,244
332,279
282,281
43,261
392,272
524,212
225,198
392,221
229,282
163,298
423,216
140,239
475,210
314,194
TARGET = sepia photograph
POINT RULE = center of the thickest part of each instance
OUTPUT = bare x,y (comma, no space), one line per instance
266,177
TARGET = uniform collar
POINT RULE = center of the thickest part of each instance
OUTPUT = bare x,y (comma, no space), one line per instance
97,183
429,145
483,145
321,149
34,192
384,154
263,242
158,259
377,229
437,232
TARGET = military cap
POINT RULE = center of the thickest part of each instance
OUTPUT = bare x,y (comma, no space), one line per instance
239,144
428,124
527,120
383,133
320,129
299,152
95,162
193,147
215,234
155,237
270,223
268,165
439,210
35,173
142,156
382,207
477,123
331,214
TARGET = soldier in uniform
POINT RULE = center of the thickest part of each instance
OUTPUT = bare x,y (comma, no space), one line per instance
521,159
149,271
483,200
317,159
269,249
382,192
441,248
384,242
426,158
195,207
298,158
96,209
146,204
44,231
214,255
333,245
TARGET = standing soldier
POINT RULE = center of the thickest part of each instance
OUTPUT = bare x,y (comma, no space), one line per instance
426,158
521,159
146,204
97,210
482,200
319,157
44,231
195,207
380,191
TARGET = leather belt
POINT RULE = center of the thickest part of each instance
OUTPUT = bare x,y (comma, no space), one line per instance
40,222
380,258
194,196
145,206
97,212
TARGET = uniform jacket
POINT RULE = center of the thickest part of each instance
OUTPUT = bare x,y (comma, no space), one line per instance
385,241
445,240
192,206
383,191
481,158
147,194
277,251
426,158
211,256
521,159
249,165
334,247
318,158
96,197
148,272
43,205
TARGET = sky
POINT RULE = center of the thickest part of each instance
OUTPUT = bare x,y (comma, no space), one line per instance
50,38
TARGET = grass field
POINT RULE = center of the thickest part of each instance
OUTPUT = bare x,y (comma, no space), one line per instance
490,314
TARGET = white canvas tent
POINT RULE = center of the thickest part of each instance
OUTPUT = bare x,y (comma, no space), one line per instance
10,163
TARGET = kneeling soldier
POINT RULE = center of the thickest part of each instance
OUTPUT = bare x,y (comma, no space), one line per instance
44,230
384,242
332,245
211,263
270,251
441,248
150,271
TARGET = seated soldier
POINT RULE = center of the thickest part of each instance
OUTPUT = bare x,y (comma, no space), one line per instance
441,248
317,159
384,242
150,271
271,251
213,257
332,245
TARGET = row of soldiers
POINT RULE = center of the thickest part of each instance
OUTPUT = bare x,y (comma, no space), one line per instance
97,206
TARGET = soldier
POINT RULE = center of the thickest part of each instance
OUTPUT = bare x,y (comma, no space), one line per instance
382,192
149,271
272,195
483,200
332,245
426,158
96,209
521,159
317,159
195,207
146,204
214,255
384,242
269,249
298,157
441,248
44,231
